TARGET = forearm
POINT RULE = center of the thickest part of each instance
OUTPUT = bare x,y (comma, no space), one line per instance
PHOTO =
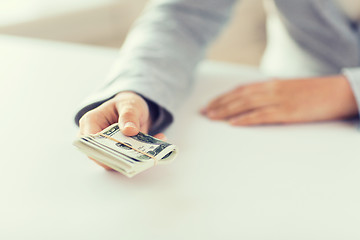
162,50
165,45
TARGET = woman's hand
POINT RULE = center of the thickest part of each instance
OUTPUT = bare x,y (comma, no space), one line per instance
285,101
127,108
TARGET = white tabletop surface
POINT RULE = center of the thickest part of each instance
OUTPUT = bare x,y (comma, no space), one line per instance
274,182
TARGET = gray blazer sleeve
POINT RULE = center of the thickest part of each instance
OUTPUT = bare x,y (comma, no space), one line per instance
160,54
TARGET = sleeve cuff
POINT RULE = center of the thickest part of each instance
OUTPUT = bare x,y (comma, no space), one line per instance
160,117
353,76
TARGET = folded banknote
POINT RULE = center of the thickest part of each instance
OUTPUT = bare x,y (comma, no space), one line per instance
127,155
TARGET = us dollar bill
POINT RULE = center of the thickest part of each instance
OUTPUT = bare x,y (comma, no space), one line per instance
127,155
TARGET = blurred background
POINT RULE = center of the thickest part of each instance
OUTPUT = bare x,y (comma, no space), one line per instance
106,23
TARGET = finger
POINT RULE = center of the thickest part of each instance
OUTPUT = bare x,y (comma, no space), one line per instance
222,100
144,127
89,124
240,106
261,88
161,136
98,119
242,91
129,120
266,115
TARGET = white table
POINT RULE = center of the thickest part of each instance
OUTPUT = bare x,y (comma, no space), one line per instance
276,182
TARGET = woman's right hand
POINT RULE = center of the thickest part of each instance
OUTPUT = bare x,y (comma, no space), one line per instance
127,108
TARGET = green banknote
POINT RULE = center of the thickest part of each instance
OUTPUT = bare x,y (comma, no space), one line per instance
127,155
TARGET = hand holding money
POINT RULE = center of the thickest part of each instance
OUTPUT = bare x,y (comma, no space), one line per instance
127,155
128,109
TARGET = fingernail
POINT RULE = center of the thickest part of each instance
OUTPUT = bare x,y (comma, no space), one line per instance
237,122
130,125
203,111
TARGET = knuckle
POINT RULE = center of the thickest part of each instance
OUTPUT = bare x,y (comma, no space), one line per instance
130,103
125,103
128,113
247,101
87,117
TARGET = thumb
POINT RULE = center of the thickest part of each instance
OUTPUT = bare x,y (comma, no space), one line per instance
129,121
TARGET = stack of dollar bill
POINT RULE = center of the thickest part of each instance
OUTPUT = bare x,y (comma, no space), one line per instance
127,155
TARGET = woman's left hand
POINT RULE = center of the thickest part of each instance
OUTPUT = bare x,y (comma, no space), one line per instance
285,101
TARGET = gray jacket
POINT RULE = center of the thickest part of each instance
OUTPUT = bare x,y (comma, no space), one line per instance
167,42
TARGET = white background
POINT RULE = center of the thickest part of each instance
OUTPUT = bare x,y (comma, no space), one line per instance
277,182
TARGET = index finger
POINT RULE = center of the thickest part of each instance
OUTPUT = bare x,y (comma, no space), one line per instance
88,124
